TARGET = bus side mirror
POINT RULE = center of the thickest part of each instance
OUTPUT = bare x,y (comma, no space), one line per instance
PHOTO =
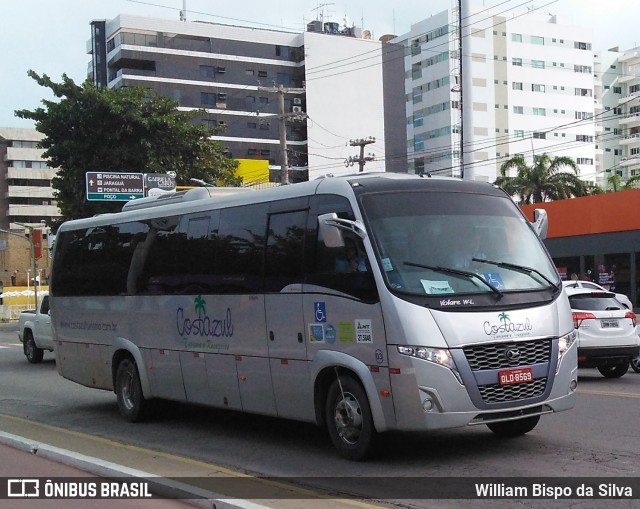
330,234
540,223
331,227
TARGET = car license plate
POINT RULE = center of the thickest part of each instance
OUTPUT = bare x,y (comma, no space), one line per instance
515,376
607,324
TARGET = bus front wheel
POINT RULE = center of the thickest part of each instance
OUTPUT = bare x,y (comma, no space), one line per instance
349,419
131,402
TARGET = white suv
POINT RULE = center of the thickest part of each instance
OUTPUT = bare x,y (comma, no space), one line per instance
590,285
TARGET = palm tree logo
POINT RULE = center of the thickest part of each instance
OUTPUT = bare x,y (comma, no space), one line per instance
200,306
504,317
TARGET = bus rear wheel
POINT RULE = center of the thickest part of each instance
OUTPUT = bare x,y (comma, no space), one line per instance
131,403
509,429
349,419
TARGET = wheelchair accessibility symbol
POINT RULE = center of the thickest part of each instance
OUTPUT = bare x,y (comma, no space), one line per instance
321,311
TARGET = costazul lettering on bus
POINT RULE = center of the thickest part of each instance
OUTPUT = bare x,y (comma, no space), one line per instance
204,325
507,328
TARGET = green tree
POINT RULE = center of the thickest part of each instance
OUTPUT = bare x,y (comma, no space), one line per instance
615,182
123,130
545,180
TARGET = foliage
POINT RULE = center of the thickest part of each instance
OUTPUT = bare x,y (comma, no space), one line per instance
122,130
615,183
546,180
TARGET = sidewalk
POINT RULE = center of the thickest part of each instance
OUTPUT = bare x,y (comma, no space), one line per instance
25,459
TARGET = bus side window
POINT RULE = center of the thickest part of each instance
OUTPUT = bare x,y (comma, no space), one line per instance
323,263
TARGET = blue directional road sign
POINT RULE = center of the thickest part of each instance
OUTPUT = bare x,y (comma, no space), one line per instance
103,186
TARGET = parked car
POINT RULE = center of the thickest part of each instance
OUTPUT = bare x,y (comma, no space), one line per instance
590,285
607,337
35,331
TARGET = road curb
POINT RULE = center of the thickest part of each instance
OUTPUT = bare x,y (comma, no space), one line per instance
166,488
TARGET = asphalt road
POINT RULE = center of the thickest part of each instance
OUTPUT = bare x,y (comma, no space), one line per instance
595,440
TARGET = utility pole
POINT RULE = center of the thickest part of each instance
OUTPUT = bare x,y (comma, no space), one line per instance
282,128
362,159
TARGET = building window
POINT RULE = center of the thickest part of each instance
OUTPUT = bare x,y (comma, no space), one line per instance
536,39
537,64
584,137
207,98
207,71
540,136
516,61
582,45
249,72
221,70
584,92
282,51
540,112
252,125
517,133
517,85
584,160
262,74
617,90
518,110
536,87
516,37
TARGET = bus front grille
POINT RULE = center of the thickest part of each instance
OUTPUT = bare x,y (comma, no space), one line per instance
494,355
496,393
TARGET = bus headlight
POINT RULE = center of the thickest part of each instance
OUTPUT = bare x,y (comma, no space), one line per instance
440,356
564,343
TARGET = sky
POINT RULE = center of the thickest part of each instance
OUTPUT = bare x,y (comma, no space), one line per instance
50,36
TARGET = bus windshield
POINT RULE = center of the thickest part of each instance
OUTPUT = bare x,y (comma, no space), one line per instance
455,243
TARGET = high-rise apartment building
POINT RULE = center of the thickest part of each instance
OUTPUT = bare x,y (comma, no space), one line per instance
330,81
532,92
26,195
629,107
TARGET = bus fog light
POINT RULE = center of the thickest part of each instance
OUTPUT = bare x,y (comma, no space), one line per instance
427,405
573,385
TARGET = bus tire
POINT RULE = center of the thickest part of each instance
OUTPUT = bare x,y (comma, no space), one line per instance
510,429
131,403
33,354
349,420
615,371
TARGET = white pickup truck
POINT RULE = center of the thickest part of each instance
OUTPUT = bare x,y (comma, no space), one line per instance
35,331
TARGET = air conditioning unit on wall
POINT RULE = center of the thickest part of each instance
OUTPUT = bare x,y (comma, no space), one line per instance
297,100
297,109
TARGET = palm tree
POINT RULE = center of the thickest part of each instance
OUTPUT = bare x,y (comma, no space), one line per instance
615,182
546,180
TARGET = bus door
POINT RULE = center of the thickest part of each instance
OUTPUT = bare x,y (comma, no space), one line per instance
283,310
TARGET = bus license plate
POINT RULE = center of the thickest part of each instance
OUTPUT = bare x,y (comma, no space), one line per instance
515,376
606,324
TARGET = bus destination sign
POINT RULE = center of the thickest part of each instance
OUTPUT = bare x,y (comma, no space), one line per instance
114,186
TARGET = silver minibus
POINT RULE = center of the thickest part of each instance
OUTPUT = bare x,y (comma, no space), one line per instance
363,303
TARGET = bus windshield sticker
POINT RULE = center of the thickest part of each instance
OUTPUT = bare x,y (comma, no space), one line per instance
436,287
316,333
495,279
386,264
363,331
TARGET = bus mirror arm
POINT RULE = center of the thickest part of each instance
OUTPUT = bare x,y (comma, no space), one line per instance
331,225
540,223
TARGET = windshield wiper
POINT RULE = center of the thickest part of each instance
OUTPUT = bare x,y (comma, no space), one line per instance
449,270
518,268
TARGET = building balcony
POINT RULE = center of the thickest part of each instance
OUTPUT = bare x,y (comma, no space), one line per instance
630,161
33,210
630,56
630,120
628,98
631,140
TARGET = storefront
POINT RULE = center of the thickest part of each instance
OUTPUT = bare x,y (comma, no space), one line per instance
596,238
